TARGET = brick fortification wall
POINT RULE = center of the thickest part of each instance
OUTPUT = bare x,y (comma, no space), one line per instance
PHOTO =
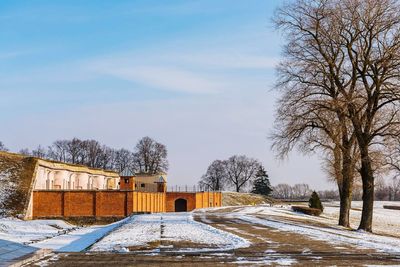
194,200
58,204
107,203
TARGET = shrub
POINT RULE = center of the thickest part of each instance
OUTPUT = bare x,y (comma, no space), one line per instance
315,202
391,207
307,210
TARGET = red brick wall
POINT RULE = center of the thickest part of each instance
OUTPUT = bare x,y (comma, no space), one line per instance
95,203
112,203
104,203
194,200
77,204
172,196
47,205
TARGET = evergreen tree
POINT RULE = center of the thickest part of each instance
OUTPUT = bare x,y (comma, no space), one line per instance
315,202
261,183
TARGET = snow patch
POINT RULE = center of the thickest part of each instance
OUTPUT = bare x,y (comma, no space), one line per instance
333,236
142,230
27,232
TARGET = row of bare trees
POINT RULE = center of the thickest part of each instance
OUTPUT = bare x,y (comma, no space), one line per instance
286,191
388,190
236,173
339,80
148,155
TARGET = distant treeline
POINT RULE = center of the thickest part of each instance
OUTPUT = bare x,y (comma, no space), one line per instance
148,156
388,191
301,192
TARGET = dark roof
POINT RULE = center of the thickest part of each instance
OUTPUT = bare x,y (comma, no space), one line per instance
127,172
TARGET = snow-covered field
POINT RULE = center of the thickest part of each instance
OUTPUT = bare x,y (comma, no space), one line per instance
386,224
53,234
26,232
173,227
385,221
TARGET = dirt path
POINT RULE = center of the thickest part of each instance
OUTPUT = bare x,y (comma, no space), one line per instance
297,249
269,246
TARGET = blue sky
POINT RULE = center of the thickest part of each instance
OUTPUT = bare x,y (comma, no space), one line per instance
195,75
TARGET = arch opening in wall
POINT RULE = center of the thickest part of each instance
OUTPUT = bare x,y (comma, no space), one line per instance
180,205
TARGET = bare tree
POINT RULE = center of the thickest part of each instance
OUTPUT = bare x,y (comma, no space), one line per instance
297,191
76,151
93,154
356,44
3,147
216,177
302,191
107,158
39,152
240,171
25,152
394,189
123,161
283,191
150,156
59,151
310,117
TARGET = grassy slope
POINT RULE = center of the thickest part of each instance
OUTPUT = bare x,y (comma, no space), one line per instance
237,199
16,174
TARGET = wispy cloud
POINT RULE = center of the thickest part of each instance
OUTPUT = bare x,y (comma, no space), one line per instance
13,54
166,78
192,71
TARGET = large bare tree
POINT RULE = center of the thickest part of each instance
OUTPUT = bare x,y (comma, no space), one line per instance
356,45
215,178
240,171
150,156
312,124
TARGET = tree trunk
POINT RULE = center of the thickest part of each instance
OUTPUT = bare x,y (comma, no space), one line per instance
347,186
367,177
345,204
237,187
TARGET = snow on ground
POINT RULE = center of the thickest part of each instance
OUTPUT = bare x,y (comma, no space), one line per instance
26,232
8,187
144,229
283,261
386,222
53,234
79,239
333,236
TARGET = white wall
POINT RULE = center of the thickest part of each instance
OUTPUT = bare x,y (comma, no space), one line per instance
47,178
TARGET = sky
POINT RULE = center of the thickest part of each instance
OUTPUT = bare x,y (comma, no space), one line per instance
197,76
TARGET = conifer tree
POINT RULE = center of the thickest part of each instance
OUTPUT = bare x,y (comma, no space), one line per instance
261,183
315,202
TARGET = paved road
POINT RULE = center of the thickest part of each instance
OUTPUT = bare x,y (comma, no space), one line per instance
269,247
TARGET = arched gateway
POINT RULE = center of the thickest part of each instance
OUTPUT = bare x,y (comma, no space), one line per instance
180,205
